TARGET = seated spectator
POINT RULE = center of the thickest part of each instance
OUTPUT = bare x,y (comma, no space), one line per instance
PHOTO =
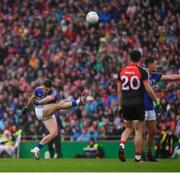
165,144
7,146
92,150
9,142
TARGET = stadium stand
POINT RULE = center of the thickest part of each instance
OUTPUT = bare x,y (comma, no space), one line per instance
50,39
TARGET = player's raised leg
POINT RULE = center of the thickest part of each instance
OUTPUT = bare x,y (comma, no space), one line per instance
50,109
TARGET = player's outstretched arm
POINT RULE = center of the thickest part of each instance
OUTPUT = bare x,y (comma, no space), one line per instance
172,77
29,103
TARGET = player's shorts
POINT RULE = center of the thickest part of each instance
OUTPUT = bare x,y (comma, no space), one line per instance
39,113
150,115
133,112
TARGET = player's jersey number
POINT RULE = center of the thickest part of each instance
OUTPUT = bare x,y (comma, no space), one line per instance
133,82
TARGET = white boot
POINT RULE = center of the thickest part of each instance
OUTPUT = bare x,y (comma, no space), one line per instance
35,152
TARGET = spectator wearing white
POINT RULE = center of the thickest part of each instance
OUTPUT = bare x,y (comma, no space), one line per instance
6,143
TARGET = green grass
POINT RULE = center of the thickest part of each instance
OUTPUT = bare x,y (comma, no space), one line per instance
88,165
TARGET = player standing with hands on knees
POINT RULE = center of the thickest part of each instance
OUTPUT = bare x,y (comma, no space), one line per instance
45,99
133,81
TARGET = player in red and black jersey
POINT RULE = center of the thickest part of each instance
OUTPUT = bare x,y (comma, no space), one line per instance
133,81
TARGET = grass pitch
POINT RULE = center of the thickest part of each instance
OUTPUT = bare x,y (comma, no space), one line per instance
86,165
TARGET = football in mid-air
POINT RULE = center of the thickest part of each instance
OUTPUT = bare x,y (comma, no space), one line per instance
92,17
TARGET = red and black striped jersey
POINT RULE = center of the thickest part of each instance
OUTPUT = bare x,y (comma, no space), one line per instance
131,78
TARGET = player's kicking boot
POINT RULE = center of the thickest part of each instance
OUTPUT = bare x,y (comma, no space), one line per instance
83,98
122,155
35,152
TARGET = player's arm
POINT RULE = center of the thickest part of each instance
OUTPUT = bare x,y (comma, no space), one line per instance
147,86
150,91
49,98
170,77
46,100
30,101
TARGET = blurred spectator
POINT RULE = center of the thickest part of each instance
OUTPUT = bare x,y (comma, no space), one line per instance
6,144
92,150
165,144
176,153
9,143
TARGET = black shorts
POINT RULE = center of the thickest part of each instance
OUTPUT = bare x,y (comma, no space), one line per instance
133,112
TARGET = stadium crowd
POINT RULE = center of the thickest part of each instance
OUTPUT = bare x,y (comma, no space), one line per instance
42,39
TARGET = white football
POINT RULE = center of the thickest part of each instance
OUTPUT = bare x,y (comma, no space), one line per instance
92,17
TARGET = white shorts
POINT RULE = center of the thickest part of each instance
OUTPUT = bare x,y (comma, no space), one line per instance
150,115
39,112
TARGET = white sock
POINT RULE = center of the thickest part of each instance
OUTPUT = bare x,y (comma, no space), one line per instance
36,148
122,145
137,157
78,102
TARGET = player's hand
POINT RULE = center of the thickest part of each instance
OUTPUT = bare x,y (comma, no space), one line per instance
119,109
25,109
158,107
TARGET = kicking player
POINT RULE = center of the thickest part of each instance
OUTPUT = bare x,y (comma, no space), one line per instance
133,81
150,114
45,99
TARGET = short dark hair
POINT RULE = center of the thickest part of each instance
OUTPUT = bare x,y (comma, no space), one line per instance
47,83
135,55
148,60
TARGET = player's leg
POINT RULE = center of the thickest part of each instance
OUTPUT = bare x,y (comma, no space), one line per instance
143,154
126,112
151,126
50,109
57,142
51,126
51,148
125,135
139,129
139,125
